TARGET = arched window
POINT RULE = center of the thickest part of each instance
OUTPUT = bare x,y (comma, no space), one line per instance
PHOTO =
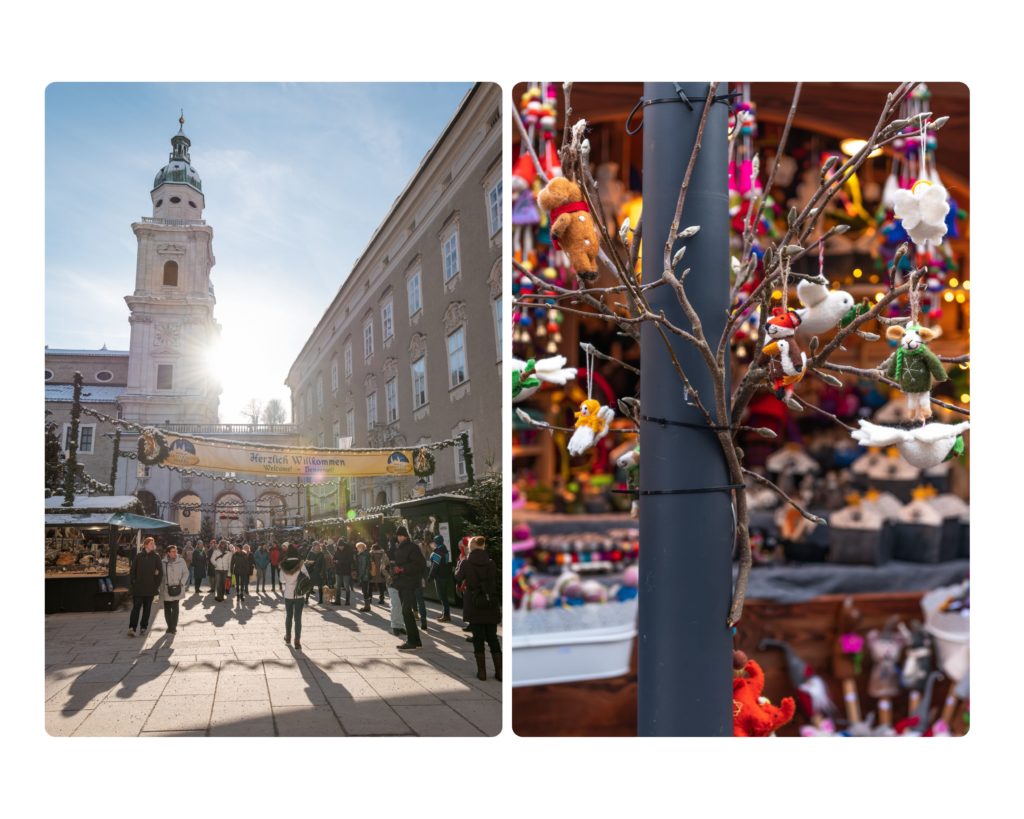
190,516
149,505
171,274
230,518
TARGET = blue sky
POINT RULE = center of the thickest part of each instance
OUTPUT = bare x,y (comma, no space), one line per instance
296,178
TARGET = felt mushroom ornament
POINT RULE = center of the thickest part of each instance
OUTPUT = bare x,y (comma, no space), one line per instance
572,225
914,367
787,363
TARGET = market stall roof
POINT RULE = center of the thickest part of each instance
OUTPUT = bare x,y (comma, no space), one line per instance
100,510
86,503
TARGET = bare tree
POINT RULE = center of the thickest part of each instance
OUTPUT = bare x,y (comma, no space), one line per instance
274,412
725,407
252,409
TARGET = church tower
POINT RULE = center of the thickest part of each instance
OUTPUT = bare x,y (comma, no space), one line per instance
172,323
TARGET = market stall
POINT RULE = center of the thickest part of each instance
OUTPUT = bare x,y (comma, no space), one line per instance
89,547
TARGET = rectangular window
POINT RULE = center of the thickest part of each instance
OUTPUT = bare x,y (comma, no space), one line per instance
334,375
164,376
320,439
419,382
348,360
371,410
320,391
456,358
86,438
368,338
309,402
494,207
299,415
415,298
451,256
460,461
335,433
497,323
391,399
387,324
350,423
141,471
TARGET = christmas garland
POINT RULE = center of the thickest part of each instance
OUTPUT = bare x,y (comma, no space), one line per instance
152,446
423,463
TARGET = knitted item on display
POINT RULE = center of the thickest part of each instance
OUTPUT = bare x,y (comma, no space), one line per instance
591,426
752,714
914,367
823,308
924,447
922,211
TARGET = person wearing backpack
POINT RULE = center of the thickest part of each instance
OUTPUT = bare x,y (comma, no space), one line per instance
408,569
440,569
296,584
481,604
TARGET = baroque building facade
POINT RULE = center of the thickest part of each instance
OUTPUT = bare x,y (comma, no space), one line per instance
409,351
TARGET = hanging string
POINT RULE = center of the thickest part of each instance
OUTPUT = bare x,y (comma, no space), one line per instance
590,371
821,260
785,281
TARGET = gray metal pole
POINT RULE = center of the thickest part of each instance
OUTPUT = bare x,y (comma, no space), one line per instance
685,648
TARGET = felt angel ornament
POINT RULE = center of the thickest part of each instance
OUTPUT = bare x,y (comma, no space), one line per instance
591,426
923,447
527,376
822,308
787,363
915,367
922,211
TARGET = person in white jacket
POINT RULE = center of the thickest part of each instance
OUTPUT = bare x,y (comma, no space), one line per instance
221,561
173,586
292,568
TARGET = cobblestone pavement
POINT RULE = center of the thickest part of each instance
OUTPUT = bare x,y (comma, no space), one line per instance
228,672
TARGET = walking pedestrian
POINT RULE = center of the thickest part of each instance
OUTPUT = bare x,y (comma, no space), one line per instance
173,586
481,604
440,571
408,569
461,586
252,567
222,564
292,569
146,573
343,557
240,571
363,563
315,564
186,555
376,579
262,560
199,565
387,569
276,555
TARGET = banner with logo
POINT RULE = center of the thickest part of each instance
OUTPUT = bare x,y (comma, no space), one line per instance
168,449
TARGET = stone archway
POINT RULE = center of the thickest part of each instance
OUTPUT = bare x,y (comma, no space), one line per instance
270,507
229,520
148,501
189,513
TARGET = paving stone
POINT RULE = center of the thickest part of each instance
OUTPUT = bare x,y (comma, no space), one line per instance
348,685
64,723
173,734
79,695
240,688
436,721
307,721
188,685
109,673
134,687
189,713
363,717
402,690
116,719
242,718
481,713
289,692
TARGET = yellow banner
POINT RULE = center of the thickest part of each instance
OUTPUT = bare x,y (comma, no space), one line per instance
235,457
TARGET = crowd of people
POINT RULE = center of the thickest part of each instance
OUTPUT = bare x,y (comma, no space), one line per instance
393,571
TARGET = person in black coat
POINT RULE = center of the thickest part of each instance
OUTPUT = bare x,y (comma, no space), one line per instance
481,604
240,569
344,557
315,564
198,565
146,574
408,570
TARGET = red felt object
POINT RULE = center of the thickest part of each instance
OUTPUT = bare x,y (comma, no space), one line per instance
752,714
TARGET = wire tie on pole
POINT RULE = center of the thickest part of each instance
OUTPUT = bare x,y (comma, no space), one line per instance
696,491
669,422
682,98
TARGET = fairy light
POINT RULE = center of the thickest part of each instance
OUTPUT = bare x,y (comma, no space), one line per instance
966,398
858,273
948,295
873,279
953,282
967,284
776,294
960,298
879,296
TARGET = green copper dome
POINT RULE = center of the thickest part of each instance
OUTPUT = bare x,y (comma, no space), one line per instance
179,167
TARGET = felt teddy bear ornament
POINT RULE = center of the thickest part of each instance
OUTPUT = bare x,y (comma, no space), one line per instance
914,367
527,376
822,308
591,426
922,211
752,714
787,363
572,225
